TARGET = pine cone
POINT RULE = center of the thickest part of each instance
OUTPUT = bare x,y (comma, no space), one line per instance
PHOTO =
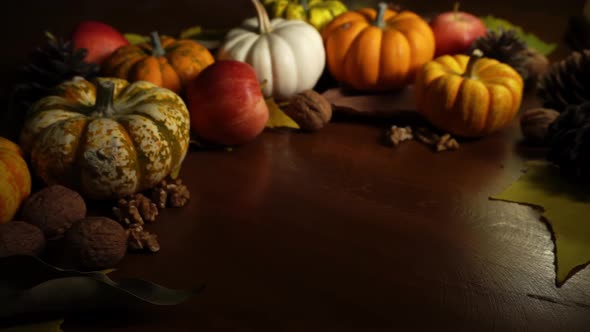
506,47
569,142
52,63
567,82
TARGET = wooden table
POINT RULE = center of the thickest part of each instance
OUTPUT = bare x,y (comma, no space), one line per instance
334,231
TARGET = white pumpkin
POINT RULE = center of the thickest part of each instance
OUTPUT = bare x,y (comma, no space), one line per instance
287,55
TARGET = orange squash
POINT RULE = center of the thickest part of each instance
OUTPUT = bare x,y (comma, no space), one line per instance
15,179
468,96
165,61
379,49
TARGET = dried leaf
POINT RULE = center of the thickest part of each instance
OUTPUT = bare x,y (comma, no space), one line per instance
51,326
192,32
135,39
277,118
28,286
530,39
566,207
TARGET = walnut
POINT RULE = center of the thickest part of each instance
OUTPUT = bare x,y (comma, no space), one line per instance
96,243
20,238
439,143
171,194
396,135
534,124
54,209
140,239
135,209
310,110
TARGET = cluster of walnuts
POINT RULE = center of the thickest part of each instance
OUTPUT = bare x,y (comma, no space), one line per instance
56,213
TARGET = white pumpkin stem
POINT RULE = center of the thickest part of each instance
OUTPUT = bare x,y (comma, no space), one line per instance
158,50
263,20
475,55
104,98
379,21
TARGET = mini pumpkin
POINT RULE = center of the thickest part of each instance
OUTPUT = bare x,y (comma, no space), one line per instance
107,139
316,12
468,96
165,61
371,50
287,55
15,179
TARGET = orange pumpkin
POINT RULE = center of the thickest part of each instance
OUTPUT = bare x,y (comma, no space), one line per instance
377,50
165,61
468,96
15,179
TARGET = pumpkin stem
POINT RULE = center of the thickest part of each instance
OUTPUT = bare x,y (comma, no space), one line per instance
104,98
263,20
304,4
382,7
158,50
475,55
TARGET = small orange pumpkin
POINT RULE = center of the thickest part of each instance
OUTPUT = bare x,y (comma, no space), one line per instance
379,49
15,179
468,96
165,61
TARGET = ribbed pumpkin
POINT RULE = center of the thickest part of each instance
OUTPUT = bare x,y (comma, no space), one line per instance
165,61
107,140
15,179
379,49
468,96
315,12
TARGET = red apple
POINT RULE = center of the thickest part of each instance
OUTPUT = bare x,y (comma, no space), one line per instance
226,103
455,31
100,39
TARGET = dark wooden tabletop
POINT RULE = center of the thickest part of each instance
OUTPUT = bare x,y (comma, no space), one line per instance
333,231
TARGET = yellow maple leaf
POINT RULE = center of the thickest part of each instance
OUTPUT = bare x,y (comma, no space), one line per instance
277,118
566,206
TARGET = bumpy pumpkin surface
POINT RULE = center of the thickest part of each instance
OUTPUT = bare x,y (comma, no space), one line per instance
107,140
165,61
380,49
315,12
15,179
468,96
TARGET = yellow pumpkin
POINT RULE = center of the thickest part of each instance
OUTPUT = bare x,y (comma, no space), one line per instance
107,140
379,49
315,12
468,96
15,179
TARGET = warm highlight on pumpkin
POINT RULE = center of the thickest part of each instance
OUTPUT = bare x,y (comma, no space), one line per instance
468,97
379,49
15,179
165,61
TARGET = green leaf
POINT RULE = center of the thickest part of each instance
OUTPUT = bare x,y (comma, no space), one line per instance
51,326
277,118
30,286
532,41
135,39
565,206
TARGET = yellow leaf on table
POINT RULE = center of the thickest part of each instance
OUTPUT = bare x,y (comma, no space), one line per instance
52,326
277,118
566,207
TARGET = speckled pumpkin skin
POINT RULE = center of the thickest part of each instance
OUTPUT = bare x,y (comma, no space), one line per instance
15,179
107,156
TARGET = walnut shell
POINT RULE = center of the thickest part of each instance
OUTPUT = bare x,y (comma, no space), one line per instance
20,238
534,124
54,209
310,110
96,243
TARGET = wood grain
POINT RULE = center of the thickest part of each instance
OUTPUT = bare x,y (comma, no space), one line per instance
334,231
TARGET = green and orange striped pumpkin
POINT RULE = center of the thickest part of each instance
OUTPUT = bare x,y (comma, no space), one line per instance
165,61
109,139
15,179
